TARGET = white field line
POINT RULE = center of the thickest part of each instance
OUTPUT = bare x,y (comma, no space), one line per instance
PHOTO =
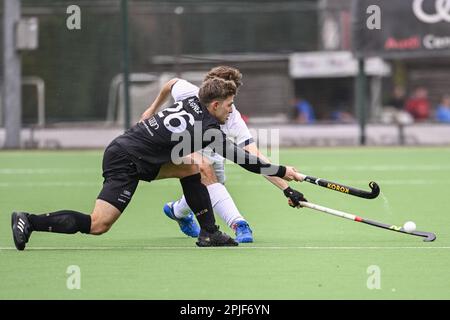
222,248
72,184
368,168
306,169
386,168
49,184
236,180
231,181
17,171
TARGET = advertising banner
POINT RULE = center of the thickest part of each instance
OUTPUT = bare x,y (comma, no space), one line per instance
401,28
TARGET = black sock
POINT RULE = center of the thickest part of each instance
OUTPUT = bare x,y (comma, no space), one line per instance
64,221
197,197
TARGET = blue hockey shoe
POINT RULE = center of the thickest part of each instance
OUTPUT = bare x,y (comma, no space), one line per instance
243,232
188,225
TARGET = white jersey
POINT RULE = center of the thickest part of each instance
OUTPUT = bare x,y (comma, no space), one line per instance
234,127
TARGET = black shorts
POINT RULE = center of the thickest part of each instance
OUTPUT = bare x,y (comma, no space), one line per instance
121,173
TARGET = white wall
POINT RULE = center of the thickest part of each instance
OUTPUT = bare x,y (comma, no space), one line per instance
289,135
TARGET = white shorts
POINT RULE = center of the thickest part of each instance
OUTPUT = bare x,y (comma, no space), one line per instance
217,162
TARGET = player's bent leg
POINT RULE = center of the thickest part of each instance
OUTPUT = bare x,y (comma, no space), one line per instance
63,221
198,200
121,178
224,205
180,207
197,197
221,200
103,217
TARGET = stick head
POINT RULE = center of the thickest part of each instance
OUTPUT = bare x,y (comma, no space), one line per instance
430,237
375,189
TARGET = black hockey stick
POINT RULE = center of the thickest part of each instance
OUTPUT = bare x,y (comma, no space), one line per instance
429,236
375,189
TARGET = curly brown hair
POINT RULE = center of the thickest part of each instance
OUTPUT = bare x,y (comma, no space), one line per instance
226,73
216,89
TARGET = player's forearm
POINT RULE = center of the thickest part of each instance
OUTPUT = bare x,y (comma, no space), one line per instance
160,99
280,183
251,162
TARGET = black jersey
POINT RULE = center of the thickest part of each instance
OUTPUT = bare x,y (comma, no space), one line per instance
182,129
153,139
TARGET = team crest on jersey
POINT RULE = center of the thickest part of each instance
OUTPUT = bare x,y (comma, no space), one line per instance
195,106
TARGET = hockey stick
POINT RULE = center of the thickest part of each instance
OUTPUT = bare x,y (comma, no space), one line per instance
427,235
375,189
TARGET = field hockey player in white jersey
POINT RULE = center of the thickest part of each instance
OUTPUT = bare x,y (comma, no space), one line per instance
211,164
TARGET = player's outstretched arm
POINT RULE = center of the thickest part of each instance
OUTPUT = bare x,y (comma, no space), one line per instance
249,162
160,99
292,174
279,182
293,195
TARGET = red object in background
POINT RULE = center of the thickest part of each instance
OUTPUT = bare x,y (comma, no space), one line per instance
245,118
419,108
408,43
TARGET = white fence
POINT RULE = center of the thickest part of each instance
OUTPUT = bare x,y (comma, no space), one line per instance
289,136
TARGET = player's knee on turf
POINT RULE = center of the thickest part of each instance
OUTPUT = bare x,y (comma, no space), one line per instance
207,173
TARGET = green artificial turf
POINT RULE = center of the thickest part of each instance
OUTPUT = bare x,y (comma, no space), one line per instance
297,254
